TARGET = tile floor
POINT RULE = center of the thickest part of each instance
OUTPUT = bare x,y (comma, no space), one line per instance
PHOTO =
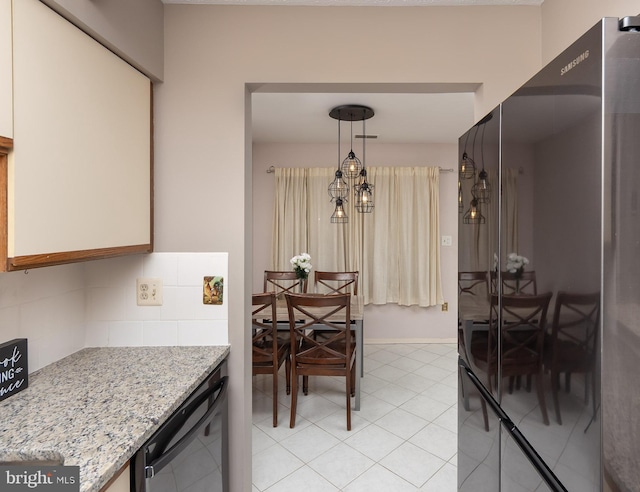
403,438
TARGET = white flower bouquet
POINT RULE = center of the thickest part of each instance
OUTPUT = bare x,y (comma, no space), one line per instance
516,264
301,265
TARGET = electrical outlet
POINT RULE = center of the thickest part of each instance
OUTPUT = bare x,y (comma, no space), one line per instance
149,291
445,306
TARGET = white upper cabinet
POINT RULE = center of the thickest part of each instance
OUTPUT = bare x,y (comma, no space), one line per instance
6,111
79,177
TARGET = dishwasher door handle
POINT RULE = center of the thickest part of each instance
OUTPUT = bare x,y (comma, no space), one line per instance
167,455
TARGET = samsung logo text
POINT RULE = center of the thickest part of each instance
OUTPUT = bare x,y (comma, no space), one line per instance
576,61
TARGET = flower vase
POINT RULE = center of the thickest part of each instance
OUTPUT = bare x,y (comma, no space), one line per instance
517,286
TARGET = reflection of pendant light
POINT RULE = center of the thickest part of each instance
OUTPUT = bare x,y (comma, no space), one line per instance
460,200
467,166
482,189
351,167
363,189
473,215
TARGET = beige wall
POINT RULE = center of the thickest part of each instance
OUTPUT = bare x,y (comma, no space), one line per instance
200,115
131,29
563,21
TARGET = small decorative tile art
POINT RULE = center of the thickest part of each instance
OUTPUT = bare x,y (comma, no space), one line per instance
213,288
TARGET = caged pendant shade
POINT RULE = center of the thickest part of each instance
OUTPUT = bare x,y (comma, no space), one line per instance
467,168
339,215
351,166
473,215
364,194
481,189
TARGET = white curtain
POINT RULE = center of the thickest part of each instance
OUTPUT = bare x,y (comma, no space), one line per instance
395,248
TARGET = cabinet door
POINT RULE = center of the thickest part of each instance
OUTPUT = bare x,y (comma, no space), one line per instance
79,174
6,83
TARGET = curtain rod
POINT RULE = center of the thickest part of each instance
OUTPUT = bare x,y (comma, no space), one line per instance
272,169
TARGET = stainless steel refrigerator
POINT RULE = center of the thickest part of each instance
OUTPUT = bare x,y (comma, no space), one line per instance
549,276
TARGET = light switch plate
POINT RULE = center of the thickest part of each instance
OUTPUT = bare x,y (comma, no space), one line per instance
149,291
447,241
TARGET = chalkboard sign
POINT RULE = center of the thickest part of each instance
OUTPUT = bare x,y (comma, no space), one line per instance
14,370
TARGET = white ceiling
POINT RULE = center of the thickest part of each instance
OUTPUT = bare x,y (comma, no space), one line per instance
399,118
303,117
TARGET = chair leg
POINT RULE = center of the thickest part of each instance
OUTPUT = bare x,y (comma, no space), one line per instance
593,393
287,375
567,381
353,381
294,397
275,396
305,385
485,415
540,388
464,392
555,380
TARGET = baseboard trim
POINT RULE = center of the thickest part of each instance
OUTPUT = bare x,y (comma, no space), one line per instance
386,341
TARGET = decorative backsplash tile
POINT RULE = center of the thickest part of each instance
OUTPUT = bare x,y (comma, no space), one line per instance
213,290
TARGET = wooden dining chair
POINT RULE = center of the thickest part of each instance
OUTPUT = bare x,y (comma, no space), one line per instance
325,356
335,282
281,282
269,351
525,284
522,330
573,343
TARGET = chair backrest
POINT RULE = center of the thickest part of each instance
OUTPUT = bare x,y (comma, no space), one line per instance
576,320
324,312
281,282
336,282
524,284
263,326
522,328
473,284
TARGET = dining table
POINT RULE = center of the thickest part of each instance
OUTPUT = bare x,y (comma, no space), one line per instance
357,323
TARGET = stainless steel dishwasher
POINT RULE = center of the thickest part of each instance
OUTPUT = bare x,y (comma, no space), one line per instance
190,450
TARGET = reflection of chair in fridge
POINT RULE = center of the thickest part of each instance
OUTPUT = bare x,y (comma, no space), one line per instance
521,342
571,347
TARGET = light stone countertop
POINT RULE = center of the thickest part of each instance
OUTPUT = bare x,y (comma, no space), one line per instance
98,406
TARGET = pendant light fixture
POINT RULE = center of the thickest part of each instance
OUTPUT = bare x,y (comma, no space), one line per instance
460,200
481,190
339,188
351,167
363,189
339,216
